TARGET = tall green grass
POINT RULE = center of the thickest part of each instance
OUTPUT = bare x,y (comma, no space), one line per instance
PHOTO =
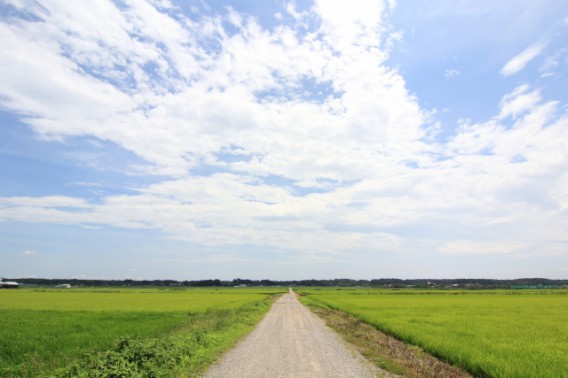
43,330
34,340
490,334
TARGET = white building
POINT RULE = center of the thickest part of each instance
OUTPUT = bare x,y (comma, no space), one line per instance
8,284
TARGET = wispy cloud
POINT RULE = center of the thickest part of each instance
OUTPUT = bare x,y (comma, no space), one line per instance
29,253
476,248
450,73
521,100
519,62
48,201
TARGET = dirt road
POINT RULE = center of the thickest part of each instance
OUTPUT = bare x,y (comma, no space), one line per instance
291,342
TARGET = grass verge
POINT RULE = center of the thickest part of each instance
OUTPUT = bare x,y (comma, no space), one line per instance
384,350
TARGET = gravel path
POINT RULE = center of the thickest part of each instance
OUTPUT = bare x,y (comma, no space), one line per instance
291,342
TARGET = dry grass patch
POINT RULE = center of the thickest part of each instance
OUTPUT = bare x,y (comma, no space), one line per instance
384,350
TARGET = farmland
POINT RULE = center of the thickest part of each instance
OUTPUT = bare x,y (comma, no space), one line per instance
83,329
488,333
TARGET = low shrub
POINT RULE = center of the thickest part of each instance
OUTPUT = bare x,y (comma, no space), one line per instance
188,350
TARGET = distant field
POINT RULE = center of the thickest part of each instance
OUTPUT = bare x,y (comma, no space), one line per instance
488,333
44,330
128,299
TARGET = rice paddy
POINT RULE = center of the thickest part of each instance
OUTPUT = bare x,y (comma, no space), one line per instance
43,331
488,333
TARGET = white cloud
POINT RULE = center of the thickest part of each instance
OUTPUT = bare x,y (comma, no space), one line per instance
29,253
553,63
348,27
470,247
450,73
519,62
519,102
219,100
332,151
50,201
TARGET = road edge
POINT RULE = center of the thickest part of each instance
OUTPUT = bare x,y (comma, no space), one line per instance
384,351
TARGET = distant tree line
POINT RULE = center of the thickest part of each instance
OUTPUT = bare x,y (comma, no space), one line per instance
342,282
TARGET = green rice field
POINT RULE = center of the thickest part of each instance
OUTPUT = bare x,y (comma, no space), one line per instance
74,332
488,333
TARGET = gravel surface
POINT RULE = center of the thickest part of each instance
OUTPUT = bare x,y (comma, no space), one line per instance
292,342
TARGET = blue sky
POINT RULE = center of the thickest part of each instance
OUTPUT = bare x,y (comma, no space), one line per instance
283,140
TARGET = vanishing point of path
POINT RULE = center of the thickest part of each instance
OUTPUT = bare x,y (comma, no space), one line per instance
291,342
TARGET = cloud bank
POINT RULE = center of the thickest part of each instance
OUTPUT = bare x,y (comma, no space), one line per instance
295,136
